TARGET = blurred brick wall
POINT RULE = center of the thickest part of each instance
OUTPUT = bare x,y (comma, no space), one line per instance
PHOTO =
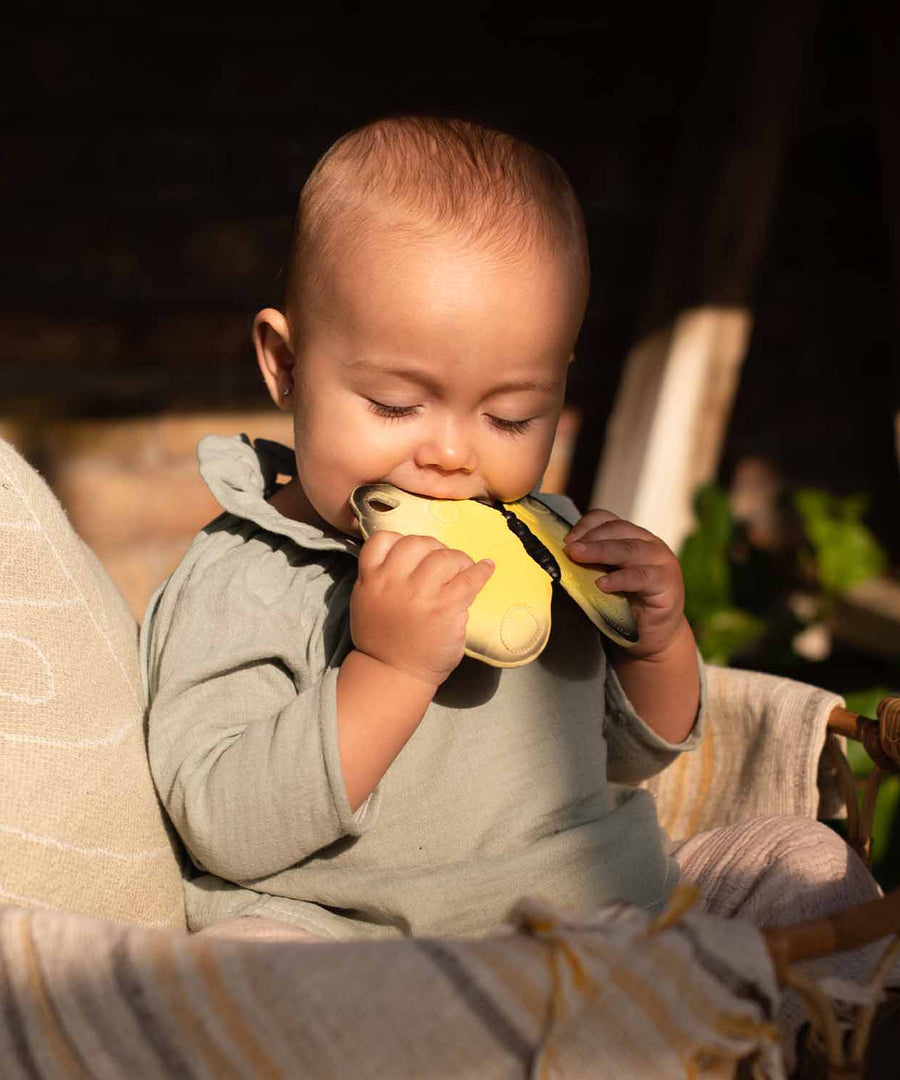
132,488
133,491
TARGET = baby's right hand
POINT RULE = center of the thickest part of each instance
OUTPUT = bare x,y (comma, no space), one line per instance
411,602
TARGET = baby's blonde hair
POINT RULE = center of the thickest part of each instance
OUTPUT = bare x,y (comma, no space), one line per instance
424,177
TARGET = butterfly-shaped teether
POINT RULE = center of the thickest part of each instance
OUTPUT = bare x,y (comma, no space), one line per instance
509,620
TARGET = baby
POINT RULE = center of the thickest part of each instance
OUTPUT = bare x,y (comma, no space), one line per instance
329,756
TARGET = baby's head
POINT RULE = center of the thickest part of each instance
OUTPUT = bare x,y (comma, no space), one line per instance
436,286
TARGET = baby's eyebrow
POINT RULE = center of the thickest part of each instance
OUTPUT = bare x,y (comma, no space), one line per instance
426,379
401,371
544,385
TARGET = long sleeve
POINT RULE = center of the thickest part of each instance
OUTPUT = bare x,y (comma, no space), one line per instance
243,658
635,751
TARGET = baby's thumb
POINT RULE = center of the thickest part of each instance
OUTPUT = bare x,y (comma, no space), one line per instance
477,575
468,583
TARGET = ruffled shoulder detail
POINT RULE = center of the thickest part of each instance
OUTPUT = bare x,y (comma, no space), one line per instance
241,475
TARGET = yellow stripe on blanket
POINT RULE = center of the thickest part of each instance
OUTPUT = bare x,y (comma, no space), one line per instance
230,1012
162,951
59,1043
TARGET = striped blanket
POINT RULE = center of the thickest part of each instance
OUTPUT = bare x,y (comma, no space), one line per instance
612,995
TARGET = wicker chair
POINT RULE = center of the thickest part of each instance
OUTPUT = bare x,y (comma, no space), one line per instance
860,925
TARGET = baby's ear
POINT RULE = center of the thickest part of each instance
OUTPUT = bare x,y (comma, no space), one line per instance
271,339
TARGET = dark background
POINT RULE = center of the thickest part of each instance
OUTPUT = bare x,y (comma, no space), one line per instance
153,160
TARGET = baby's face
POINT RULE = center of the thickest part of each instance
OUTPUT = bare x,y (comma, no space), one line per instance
437,370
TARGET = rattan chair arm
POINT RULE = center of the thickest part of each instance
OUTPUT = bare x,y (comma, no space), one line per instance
849,929
858,926
881,737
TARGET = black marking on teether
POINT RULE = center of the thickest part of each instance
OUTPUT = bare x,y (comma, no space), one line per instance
538,551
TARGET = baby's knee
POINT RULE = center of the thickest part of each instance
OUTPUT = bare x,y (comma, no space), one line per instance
775,870
808,871
808,850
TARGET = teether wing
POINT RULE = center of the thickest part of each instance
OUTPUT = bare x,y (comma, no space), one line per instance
509,620
609,612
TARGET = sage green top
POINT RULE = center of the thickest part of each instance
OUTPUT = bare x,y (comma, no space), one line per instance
515,783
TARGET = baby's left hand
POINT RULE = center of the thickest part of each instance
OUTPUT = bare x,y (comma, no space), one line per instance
641,566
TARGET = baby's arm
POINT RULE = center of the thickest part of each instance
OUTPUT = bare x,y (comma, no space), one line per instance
665,688
659,675
408,617
246,746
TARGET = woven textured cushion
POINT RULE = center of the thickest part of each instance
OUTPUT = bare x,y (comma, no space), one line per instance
760,756
81,828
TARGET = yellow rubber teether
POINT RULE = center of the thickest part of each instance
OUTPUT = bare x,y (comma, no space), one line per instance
509,620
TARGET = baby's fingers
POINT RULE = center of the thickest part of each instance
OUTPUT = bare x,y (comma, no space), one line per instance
646,580
468,583
591,520
631,551
439,567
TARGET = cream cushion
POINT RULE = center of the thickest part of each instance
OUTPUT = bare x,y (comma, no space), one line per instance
761,756
81,828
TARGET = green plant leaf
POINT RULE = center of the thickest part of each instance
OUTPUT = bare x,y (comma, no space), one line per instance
846,551
885,812
727,632
858,759
704,556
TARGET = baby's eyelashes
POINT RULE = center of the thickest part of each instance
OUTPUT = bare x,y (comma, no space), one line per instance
391,412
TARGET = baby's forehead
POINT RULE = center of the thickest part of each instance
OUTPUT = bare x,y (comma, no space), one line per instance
381,263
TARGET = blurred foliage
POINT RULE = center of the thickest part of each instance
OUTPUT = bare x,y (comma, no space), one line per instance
768,608
886,826
846,553
722,629
736,596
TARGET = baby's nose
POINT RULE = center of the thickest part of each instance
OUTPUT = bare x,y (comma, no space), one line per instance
449,453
